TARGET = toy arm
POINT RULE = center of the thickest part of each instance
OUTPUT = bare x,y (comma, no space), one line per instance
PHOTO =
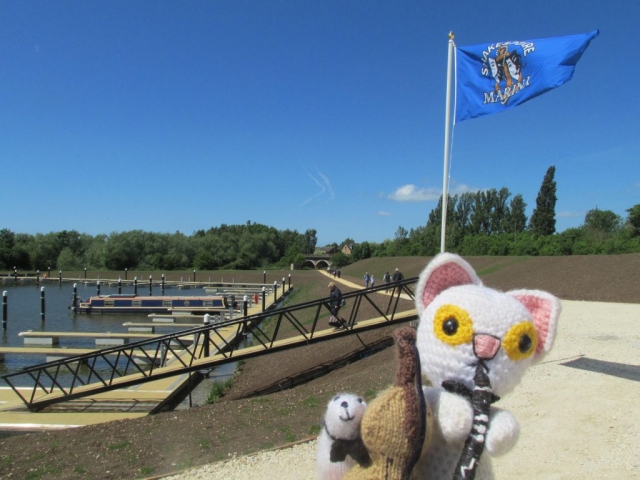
453,414
503,432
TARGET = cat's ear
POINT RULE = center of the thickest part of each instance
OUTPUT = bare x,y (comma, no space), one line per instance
545,310
444,271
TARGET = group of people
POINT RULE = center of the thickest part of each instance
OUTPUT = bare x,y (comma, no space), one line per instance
335,295
370,281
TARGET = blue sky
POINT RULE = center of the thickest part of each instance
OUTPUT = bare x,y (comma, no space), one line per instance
178,116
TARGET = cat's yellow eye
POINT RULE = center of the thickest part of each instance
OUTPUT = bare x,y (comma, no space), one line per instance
520,341
453,325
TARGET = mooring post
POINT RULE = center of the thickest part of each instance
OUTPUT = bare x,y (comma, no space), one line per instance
163,284
264,292
205,345
289,281
4,310
264,277
125,273
283,285
135,285
49,274
119,285
245,306
60,277
15,275
85,273
150,285
42,304
194,274
74,298
37,277
275,291
98,288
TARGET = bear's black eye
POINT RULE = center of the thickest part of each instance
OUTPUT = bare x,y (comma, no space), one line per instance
359,400
525,343
450,326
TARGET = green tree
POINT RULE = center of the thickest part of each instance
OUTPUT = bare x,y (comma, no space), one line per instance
633,220
543,219
601,224
516,219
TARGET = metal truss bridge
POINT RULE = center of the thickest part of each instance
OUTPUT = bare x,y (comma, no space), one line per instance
205,347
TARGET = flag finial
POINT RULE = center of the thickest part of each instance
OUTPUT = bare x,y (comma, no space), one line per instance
451,36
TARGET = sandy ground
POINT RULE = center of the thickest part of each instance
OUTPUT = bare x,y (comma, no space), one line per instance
579,409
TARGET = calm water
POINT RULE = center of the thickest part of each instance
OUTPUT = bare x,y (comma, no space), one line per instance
24,313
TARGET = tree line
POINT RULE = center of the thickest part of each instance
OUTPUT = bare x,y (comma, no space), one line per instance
236,247
493,222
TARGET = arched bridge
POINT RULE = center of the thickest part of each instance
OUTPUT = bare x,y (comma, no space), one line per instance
318,261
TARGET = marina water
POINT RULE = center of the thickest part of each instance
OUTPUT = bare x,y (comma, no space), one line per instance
24,313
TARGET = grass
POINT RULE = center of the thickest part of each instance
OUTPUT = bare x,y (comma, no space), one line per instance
315,429
496,268
288,436
311,402
218,389
204,443
119,445
146,471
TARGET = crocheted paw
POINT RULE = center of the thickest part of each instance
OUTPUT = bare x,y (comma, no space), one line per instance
503,432
453,414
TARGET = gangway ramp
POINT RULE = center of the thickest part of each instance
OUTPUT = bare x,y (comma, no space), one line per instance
272,331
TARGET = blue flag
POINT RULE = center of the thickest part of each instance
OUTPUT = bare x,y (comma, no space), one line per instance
497,76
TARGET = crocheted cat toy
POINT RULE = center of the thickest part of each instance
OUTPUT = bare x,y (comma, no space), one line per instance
475,343
339,444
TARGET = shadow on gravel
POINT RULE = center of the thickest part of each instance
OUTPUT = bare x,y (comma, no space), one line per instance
621,370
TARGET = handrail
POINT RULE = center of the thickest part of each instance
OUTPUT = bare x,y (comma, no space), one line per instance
99,371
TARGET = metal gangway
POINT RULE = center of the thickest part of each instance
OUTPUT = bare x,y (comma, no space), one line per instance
275,330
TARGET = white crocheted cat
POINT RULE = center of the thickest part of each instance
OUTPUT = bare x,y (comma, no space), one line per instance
475,343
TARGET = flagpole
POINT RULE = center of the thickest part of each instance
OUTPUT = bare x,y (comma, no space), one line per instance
447,136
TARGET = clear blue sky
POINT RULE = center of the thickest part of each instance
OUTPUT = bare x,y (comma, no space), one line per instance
178,116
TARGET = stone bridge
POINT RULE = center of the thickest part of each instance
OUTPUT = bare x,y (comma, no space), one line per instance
318,261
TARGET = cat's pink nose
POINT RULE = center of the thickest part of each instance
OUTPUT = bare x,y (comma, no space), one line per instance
485,346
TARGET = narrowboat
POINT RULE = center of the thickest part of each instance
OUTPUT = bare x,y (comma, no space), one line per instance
125,303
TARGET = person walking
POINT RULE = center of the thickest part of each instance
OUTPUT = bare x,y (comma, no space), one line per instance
397,276
372,281
335,301
366,280
386,278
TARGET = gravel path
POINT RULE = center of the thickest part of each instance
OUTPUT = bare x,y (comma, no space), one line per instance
293,463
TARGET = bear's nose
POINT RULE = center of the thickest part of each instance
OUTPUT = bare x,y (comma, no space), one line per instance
344,404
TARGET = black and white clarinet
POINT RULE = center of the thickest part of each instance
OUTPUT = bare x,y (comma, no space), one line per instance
481,399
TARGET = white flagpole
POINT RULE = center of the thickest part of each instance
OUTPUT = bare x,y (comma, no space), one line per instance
447,136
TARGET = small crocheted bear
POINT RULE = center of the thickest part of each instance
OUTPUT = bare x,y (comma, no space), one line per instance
339,444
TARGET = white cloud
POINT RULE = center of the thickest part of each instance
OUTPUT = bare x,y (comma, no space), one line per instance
382,213
411,193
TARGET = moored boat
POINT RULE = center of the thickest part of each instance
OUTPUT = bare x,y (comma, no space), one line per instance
126,303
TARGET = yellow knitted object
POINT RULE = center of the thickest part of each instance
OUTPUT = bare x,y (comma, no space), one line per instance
383,433
393,426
